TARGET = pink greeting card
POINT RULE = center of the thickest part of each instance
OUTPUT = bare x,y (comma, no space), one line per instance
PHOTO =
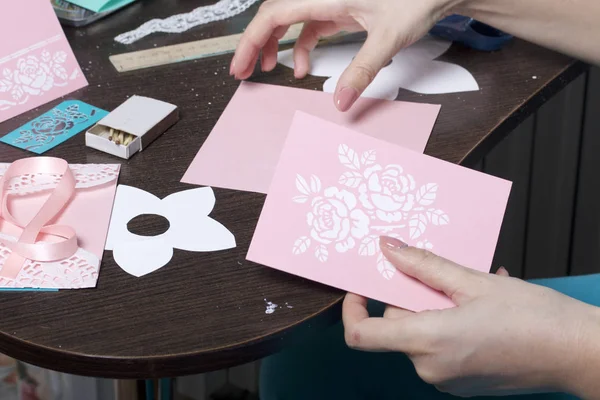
37,64
336,191
87,212
242,150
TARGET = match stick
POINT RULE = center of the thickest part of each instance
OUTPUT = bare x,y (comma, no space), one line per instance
119,138
128,139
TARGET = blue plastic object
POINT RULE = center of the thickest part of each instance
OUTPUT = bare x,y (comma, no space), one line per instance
471,33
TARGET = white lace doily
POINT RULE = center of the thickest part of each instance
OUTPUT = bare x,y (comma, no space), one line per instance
78,271
223,9
86,176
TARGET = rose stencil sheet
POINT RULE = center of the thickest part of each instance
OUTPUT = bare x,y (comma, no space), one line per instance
54,127
37,64
322,219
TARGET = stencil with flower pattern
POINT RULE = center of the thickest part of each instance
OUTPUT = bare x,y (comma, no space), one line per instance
371,200
55,126
34,76
47,127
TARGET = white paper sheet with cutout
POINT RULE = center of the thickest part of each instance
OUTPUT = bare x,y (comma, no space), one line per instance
190,228
413,68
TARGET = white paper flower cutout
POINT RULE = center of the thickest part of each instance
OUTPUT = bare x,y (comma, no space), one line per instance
413,68
190,228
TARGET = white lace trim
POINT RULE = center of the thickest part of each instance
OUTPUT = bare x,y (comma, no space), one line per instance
182,22
86,176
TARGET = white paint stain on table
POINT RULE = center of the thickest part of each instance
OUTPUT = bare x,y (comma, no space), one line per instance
271,307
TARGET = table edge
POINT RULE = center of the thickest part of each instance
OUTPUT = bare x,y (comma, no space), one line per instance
558,82
255,348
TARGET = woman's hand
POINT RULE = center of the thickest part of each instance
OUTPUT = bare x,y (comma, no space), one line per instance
391,25
505,336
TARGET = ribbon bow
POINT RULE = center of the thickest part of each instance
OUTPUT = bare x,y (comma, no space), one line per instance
26,247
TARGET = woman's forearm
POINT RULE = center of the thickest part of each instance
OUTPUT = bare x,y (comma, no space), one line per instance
568,26
581,375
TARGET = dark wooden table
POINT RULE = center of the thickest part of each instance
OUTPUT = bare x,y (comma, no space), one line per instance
206,311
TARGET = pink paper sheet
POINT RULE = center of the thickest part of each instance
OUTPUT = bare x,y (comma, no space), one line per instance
37,64
243,148
88,213
336,191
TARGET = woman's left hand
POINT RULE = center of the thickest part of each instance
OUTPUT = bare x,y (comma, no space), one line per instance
505,336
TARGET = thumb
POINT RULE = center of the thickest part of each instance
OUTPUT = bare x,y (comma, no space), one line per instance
455,281
376,53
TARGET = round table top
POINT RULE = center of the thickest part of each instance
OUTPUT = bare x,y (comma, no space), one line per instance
206,311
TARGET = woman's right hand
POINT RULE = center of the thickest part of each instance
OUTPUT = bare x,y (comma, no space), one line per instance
391,25
505,336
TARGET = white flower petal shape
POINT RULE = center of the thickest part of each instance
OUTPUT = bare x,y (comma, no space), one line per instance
190,228
412,69
191,202
437,77
428,48
156,254
200,234
129,203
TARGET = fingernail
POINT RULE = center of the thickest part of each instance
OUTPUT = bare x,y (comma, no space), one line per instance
345,98
232,66
391,243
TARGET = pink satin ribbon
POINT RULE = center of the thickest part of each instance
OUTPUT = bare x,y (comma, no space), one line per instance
26,247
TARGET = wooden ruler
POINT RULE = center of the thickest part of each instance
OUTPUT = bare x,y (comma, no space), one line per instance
208,48
187,51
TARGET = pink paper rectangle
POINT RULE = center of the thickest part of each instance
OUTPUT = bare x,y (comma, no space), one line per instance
243,148
37,64
88,213
336,191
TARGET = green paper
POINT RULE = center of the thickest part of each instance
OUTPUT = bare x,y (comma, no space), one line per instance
101,5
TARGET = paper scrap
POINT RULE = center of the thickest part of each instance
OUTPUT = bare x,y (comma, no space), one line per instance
336,191
414,68
242,150
190,228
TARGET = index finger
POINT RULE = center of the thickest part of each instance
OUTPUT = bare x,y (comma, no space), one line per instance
271,15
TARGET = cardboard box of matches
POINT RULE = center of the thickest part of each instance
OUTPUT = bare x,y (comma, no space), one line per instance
132,126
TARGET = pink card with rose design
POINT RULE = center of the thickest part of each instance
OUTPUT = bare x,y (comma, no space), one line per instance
37,64
335,191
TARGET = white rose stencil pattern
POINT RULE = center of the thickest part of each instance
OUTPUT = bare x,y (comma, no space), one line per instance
371,200
334,218
33,75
